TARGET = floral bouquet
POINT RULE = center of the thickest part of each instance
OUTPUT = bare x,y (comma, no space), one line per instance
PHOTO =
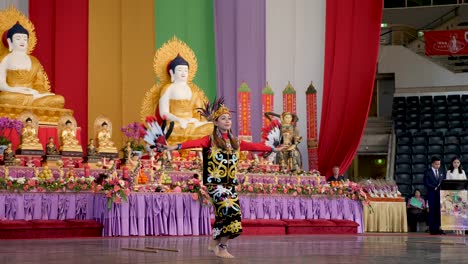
114,188
134,134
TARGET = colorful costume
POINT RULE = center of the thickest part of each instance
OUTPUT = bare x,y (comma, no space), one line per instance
219,175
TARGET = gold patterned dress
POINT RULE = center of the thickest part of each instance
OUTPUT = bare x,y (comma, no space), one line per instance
219,176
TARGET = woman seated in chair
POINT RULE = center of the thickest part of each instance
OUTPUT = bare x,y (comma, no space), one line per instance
416,210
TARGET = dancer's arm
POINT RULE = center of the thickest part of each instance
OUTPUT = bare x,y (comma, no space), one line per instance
203,142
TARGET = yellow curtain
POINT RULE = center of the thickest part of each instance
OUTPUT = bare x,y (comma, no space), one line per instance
120,64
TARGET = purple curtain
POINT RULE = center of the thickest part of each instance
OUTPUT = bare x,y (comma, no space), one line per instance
240,54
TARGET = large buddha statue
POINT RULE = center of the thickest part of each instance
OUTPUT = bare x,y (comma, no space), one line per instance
23,81
176,98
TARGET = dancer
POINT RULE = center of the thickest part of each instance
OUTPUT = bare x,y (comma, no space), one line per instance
220,156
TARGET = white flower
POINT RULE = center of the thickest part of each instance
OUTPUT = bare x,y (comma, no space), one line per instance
91,178
10,178
21,180
122,183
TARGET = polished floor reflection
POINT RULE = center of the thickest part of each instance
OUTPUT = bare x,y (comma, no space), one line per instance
371,248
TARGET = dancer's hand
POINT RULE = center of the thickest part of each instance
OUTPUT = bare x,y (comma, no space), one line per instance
170,147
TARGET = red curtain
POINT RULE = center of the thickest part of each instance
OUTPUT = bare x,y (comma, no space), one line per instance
351,47
62,48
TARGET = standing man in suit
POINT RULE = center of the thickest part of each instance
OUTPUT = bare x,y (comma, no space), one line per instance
432,179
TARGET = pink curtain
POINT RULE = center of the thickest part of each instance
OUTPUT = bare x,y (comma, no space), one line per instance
351,47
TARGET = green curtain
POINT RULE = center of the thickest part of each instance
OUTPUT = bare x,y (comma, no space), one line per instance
193,23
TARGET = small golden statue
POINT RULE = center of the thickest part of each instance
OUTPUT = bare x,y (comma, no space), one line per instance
51,149
103,131
9,156
91,150
23,81
67,130
127,151
175,98
30,144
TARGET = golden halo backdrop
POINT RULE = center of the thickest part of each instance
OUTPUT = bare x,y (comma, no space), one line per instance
8,18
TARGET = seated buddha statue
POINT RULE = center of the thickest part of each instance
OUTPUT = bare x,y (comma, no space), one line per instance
105,144
23,81
51,149
177,104
29,139
68,138
91,150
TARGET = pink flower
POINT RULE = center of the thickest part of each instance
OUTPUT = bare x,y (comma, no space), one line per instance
98,188
84,187
116,188
299,189
250,189
285,190
294,194
26,187
177,189
191,187
31,183
194,196
108,194
39,189
127,192
117,200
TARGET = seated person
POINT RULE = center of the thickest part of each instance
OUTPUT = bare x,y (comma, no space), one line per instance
336,175
416,208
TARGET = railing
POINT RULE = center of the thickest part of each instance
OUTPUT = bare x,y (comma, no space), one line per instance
412,4
442,19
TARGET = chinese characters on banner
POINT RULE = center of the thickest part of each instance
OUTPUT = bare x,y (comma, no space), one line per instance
446,42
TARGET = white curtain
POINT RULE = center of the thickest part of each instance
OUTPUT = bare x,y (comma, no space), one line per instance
21,5
295,47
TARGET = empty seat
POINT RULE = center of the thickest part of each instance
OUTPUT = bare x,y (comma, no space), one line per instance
464,99
398,123
418,158
425,100
419,149
403,149
404,140
412,100
451,149
451,140
464,149
426,124
435,140
463,139
440,100
453,99
442,130
426,116
400,117
464,112
402,168
419,139
403,178
418,168
453,108
400,130
455,124
440,116
412,124
403,158
427,130
413,108
405,189
418,178
454,116
440,123
435,149
412,115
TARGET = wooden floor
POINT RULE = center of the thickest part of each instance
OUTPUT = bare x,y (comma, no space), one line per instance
371,248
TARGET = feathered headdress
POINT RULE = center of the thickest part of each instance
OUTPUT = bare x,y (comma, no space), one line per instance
212,111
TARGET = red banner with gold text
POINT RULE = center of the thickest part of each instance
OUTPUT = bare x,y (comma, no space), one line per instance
446,42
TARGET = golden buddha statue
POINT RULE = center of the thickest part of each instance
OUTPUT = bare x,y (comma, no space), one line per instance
103,128
29,139
91,150
23,81
67,130
176,98
51,149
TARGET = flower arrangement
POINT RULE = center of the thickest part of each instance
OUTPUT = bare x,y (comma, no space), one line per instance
134,134
114,188
7,126
381,188
39,184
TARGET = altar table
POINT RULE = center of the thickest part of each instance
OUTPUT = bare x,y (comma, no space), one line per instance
386,216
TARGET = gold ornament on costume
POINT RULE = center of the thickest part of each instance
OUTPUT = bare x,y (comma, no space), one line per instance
221,111
162,58
8,18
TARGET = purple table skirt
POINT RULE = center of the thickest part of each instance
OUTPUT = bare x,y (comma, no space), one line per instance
150,214
46,206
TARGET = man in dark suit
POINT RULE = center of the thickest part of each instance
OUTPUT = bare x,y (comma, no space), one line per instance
336,175
432,179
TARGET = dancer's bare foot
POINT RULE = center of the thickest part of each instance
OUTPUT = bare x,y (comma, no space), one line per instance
221,251
213,245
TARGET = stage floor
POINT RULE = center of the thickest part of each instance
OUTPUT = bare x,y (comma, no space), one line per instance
370,248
